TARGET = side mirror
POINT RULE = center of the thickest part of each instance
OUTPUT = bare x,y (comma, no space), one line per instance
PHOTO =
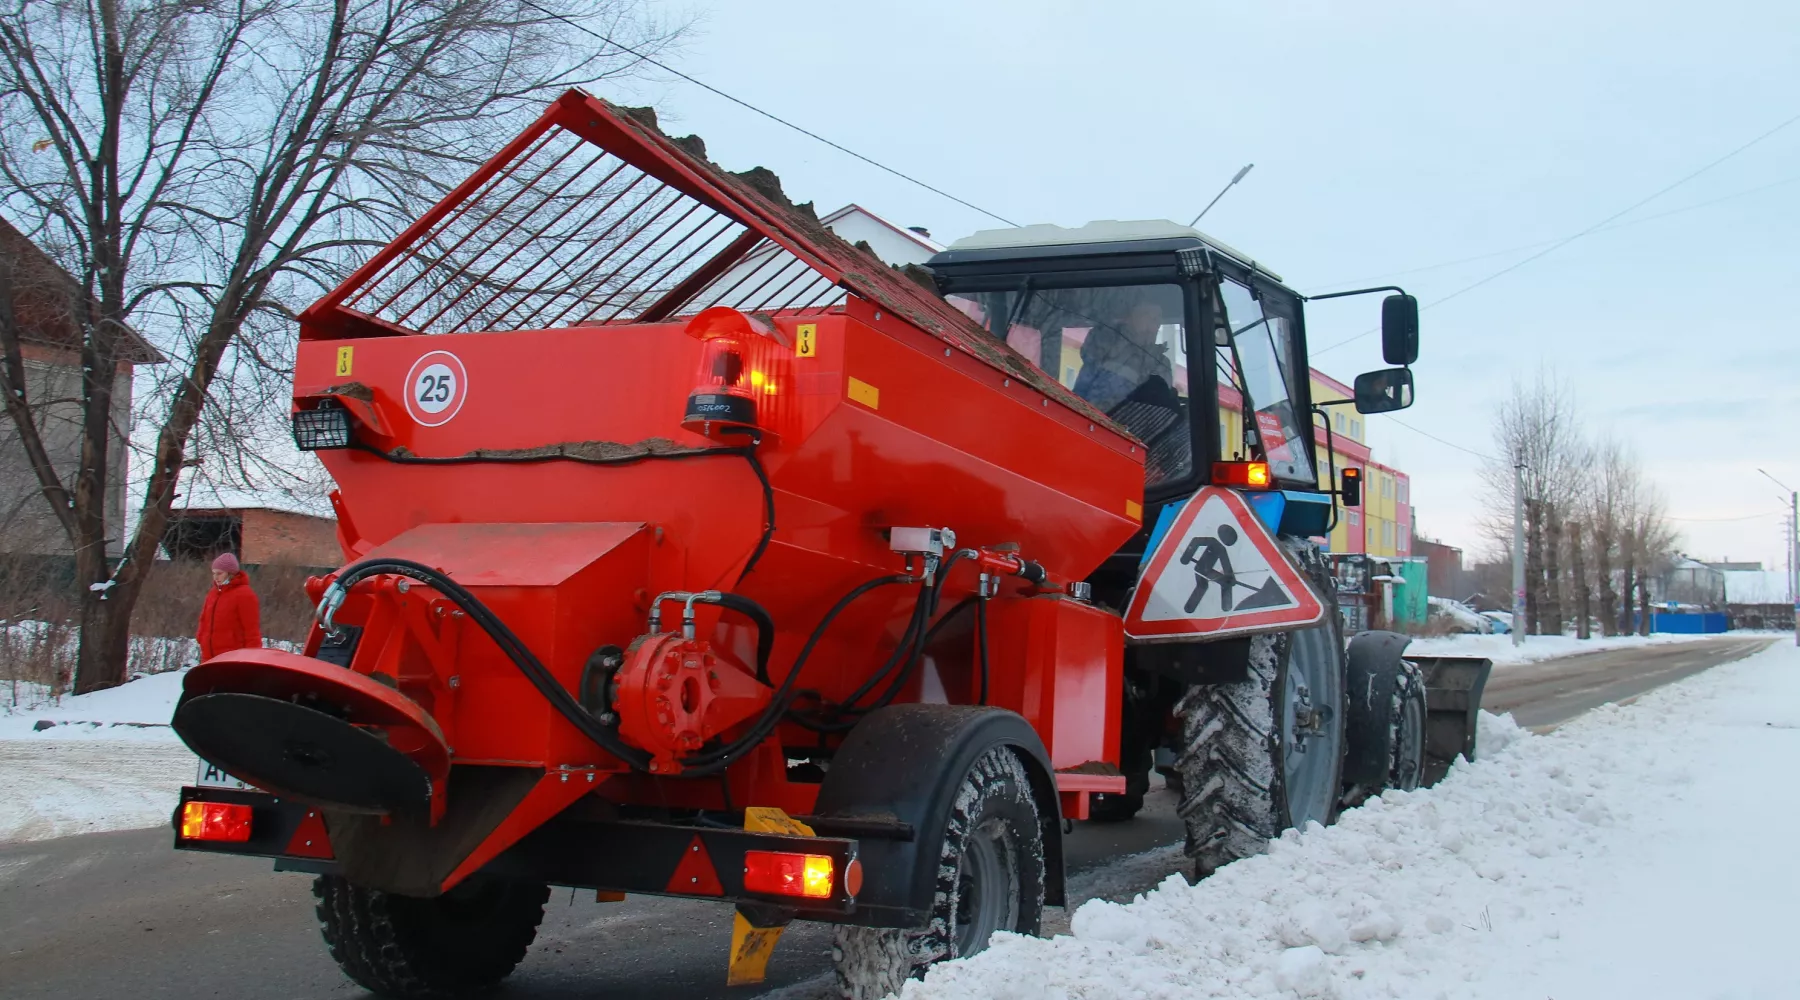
1384,391
1399,330
1350,491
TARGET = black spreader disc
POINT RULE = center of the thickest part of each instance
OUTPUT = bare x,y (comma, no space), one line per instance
293,750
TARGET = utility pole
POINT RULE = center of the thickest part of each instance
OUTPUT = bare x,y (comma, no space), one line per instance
1793,550
1518,624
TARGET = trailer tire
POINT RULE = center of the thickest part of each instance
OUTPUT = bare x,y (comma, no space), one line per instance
1247,772
993,835
457,944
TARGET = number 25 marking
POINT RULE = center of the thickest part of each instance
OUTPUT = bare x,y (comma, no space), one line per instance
435,389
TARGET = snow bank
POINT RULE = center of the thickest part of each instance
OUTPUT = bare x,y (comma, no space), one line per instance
1604,860
1500,649
139,709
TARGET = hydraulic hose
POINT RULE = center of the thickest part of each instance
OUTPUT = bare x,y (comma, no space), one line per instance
713,761
765,628
509,643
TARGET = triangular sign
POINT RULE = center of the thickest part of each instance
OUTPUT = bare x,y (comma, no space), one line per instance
1218,571
695,876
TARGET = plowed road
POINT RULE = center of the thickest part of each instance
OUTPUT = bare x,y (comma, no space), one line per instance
121,914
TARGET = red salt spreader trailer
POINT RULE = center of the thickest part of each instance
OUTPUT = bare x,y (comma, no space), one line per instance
690,550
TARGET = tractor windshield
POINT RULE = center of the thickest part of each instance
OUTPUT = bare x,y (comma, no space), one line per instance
1122,348
1257,377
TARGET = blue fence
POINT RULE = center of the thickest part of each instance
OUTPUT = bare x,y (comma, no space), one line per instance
1690,624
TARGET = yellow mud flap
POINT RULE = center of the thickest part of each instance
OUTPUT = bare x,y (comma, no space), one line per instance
755,929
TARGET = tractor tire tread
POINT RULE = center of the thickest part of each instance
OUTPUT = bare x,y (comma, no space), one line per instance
1232,793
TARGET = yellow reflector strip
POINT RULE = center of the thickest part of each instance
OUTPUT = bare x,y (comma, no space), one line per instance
1134,510
864,393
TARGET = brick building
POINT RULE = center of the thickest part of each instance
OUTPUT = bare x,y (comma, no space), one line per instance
258,534
43,298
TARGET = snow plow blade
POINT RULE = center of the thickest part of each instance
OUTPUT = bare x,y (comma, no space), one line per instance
1453,686
306,729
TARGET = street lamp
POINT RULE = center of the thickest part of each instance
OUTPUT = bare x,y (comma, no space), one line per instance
1793,552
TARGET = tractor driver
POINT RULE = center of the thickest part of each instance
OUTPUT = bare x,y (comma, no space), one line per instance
1121,359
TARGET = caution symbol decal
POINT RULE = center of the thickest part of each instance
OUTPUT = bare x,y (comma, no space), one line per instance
1218,571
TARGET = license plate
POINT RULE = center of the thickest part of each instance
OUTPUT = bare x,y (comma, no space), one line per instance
213,776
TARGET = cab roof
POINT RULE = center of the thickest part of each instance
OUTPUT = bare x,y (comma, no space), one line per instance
1103,236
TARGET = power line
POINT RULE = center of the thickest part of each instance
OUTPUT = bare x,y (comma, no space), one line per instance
665,67
1565,241
1439,440
1745,517
1541,243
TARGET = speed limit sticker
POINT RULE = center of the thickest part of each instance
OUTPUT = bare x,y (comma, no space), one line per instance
436,388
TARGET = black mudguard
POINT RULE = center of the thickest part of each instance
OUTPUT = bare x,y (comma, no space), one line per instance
904,764
1371,671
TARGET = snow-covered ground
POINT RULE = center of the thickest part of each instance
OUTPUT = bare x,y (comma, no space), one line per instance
110,762
1501,650
1639,851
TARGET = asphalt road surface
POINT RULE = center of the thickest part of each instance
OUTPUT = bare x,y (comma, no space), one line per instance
122,914
1546,694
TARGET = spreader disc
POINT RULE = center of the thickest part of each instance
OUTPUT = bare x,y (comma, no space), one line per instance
297,751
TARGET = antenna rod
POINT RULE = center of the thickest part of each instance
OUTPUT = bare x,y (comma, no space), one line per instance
1228,186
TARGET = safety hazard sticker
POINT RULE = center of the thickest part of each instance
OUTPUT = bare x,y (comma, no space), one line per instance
1218,571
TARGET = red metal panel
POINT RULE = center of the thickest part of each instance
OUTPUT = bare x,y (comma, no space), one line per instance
1060,664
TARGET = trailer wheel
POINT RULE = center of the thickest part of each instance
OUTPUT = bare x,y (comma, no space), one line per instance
454,945
991,878
1265,753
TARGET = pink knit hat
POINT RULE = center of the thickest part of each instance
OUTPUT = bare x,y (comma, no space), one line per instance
226,563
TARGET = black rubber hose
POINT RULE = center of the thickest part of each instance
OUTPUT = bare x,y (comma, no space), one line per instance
900,681
710,762
765,628
510,644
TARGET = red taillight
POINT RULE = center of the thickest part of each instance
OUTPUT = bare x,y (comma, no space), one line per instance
1244,475
778,874
225,821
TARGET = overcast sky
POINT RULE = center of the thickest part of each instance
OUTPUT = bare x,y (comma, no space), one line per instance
1389,139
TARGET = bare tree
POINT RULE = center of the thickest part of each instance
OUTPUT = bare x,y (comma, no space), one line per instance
203,167
1614,485
1538,428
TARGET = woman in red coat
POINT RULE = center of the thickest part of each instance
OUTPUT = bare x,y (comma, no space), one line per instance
231,618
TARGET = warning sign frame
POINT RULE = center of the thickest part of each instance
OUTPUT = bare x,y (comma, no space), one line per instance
1308,609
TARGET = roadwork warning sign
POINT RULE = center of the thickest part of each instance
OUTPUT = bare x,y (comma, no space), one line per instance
1218,571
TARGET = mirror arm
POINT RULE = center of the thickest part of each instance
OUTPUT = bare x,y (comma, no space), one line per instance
1331,463
1355,291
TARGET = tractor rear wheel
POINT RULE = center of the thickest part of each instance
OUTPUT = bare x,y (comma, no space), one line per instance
990,878
461,943
1264,754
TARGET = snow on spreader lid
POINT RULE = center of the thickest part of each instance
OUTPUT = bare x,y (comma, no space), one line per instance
1045,234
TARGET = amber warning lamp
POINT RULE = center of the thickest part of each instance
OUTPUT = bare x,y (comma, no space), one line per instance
1243,475
736,358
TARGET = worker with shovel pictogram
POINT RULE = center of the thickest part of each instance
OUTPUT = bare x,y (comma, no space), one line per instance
1212,564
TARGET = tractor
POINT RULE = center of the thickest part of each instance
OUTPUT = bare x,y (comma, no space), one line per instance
690,550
